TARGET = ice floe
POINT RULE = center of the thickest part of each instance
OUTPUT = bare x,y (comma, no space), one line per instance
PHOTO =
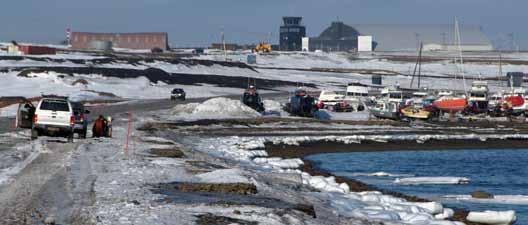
431,180
493,217
497,199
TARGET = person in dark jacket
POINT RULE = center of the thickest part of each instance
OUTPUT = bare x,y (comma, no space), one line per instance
99,127
252,99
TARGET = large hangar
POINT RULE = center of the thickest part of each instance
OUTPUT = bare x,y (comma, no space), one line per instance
342,37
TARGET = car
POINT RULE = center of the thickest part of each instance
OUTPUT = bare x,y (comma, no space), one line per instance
53,117
81,123
178,93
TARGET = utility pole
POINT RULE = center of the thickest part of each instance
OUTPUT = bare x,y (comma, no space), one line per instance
224,44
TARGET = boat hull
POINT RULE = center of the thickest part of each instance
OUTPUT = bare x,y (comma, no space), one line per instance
451,105
416,113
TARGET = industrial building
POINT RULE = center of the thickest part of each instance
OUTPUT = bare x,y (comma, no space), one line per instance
343,37
291,34
139,41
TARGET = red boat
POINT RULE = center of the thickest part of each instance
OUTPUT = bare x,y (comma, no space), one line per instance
450,104
515,101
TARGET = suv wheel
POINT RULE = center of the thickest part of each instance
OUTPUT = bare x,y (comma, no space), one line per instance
34,134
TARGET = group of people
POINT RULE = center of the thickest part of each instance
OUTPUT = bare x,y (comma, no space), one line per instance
102,127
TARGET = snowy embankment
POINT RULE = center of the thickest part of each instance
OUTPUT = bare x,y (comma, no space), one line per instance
373,206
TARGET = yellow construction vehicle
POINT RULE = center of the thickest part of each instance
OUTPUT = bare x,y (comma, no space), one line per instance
262,48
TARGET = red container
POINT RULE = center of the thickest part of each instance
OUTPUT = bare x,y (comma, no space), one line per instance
36,50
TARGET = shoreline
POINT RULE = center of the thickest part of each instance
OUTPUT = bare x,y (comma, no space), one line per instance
304,150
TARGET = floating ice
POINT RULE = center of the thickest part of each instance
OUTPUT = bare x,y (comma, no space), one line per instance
493,217
431,180
497,199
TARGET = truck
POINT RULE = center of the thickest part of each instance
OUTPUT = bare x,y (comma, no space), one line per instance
53,117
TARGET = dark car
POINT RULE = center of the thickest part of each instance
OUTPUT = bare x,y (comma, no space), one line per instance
81,123
178,93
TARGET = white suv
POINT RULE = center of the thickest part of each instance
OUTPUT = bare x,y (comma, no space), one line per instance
53,117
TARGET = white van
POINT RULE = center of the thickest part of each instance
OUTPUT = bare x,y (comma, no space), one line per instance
53,117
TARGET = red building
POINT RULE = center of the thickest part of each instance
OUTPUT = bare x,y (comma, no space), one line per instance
83,40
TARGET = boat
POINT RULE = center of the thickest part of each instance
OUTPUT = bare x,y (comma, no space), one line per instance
386,110
450,104
392,94
416,113
330,99
478,101
516,100
356,94
494,100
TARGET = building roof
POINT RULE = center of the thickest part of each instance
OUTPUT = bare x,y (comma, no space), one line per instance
404,37
339,31
139,33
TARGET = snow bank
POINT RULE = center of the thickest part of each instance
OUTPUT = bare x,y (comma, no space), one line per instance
224,176
431,180
215,108
497,199
493,217
446,213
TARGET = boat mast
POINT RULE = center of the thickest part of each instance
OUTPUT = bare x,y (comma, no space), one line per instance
419,66
459,43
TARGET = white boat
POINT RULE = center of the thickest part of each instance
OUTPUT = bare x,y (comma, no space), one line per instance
356,94
478,96
392,94
495,100
331,97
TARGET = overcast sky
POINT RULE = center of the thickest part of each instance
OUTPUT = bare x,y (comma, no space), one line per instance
199,22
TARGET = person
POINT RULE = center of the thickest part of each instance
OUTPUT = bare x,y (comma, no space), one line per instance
108,127
252,99
98,129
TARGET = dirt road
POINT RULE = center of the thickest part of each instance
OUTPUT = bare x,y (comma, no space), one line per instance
57,182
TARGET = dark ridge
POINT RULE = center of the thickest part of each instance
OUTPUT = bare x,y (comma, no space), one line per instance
134,60
155,75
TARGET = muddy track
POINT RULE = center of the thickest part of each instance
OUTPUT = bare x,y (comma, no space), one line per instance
42,190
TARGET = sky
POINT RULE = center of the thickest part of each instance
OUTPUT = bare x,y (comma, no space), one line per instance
200,22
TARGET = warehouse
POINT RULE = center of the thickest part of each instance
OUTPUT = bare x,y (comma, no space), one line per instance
139,41
342,37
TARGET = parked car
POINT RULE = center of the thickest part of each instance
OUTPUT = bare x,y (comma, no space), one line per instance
81,123
177,93
53,117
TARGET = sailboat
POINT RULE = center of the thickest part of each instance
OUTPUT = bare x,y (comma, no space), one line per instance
452,103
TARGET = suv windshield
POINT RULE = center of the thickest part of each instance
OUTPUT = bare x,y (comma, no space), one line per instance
55,106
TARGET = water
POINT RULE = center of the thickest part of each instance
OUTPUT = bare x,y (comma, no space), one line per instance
500,172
